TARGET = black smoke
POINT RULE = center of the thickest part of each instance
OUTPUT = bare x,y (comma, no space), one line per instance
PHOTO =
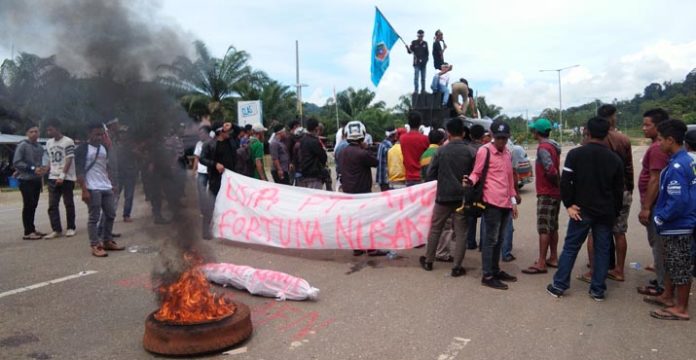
106,57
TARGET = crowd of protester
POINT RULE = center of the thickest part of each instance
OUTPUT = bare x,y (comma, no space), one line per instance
476,186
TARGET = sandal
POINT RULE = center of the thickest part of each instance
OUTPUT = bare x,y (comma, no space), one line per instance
533,271
664,314
584,278
654,300
612,276
551,265
649,290
98,251
112,245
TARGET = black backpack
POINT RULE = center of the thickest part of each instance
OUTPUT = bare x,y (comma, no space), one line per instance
243,164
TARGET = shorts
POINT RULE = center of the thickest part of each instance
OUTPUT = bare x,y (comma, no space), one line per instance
621,223
678,258
547,214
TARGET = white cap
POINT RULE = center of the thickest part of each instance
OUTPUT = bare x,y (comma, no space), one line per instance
258,128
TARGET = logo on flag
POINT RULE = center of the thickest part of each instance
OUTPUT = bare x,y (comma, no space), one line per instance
383,38
381,51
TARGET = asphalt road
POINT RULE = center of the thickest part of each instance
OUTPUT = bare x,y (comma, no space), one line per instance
369,308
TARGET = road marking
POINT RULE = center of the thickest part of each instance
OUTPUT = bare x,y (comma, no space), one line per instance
46,283
454,348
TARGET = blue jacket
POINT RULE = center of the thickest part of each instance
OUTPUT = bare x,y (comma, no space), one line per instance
675,211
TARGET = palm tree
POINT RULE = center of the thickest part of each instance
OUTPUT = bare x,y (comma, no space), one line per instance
208,78
354,102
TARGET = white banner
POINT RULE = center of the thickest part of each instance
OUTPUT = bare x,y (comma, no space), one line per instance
249,112
259,212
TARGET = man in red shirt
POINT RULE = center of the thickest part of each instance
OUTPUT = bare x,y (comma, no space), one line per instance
548,188
413,144
653,162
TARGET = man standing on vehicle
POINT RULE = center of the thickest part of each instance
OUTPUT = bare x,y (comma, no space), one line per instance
419,49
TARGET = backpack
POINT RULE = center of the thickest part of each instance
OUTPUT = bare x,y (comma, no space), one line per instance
243,164
472,204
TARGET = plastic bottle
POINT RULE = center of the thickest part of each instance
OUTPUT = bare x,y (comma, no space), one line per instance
634,265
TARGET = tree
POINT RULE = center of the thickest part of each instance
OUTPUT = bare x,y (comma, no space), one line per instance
487,110
215,79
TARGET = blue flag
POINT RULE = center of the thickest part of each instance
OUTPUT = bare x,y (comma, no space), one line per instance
383,38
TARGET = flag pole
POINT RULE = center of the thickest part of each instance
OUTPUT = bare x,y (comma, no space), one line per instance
390,25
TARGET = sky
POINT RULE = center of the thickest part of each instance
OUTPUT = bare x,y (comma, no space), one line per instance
498,46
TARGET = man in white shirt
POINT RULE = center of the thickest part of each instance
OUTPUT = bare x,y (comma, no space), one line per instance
92,168
441,82
61,179
205,201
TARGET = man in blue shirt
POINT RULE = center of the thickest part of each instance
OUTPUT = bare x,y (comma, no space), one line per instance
675,218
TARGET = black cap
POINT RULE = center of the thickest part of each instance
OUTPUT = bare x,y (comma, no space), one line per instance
690,138
278,127
420,32
500,129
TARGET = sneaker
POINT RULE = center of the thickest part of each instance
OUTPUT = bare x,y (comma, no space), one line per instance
597,298
40,233
553,291
427,266
112,245
53,235
98,251
127,219
509,258
493,282
70,233
33,236
458,271
503,276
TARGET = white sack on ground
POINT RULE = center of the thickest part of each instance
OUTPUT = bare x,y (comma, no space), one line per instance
262,282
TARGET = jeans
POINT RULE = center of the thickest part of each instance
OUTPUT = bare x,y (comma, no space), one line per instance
126,185
575,237
100,202
496,220
419,70
506,248
658,251
442,212
444,89
206,203
55,192
471,235
31,190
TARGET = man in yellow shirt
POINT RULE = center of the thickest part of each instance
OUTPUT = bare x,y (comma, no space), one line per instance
396,172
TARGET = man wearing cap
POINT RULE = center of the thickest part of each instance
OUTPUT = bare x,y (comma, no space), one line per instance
217,155
356,169
548,188
280,156
592,192
381,177
256,151
501,199
419,49
396,171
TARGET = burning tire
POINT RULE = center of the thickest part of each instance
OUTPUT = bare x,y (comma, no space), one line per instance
200,338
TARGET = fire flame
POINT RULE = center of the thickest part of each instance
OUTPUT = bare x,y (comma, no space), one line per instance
189,300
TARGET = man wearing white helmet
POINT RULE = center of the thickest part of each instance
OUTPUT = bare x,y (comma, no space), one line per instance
356,165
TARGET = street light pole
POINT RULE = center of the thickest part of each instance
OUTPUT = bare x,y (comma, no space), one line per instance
298,85
560,99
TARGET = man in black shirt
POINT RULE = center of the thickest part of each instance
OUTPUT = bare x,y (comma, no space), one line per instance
438,50
312,157
217,154
419,49
592,191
